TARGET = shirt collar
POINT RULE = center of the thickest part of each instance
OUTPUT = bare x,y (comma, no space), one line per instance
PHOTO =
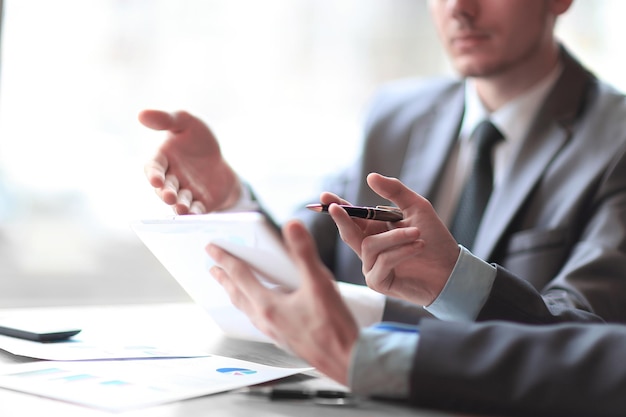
514,118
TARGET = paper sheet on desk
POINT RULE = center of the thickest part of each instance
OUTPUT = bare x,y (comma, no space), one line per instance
130,384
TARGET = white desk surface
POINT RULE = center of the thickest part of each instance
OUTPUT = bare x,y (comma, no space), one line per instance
182,321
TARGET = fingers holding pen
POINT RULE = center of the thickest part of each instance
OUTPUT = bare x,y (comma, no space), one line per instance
387,250
394,190
329,198
350,229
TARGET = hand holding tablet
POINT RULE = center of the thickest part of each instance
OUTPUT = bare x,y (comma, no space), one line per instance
179,243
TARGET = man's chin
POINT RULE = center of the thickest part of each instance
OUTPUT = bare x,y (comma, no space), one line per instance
474,69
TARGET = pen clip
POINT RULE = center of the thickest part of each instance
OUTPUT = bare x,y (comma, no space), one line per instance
390,208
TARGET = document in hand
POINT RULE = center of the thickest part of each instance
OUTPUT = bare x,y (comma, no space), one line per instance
179,242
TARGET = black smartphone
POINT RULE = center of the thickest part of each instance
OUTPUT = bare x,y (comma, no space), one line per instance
38,332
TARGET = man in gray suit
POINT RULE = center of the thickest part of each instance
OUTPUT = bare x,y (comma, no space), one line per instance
486,368
554,228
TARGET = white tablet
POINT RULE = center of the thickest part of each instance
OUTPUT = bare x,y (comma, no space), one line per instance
179,243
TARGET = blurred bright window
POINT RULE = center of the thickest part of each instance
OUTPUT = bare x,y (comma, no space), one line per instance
283,84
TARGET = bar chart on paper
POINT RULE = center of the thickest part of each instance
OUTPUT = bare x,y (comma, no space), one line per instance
128,384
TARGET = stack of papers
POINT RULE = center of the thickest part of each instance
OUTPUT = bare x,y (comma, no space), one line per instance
122,385
113,367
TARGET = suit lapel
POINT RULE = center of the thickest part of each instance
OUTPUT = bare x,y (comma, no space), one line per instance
549,133
429,147
507,199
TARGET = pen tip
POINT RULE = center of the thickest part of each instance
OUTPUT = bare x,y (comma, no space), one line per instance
315,207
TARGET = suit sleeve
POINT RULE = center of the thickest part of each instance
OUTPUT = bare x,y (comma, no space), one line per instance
514,299
512,369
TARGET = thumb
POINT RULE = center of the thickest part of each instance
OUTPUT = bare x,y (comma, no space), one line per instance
393,190
162,120
155,119
303,251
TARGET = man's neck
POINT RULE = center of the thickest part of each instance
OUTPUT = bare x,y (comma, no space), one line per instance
497,90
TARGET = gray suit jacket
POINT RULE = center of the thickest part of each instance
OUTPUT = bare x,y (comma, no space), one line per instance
513,369
557,225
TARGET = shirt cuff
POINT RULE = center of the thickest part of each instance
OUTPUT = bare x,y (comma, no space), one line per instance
365,304
466,291
246,201
381,363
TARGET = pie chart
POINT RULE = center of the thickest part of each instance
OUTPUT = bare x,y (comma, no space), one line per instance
236,371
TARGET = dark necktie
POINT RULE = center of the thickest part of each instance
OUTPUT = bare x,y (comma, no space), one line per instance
477,189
